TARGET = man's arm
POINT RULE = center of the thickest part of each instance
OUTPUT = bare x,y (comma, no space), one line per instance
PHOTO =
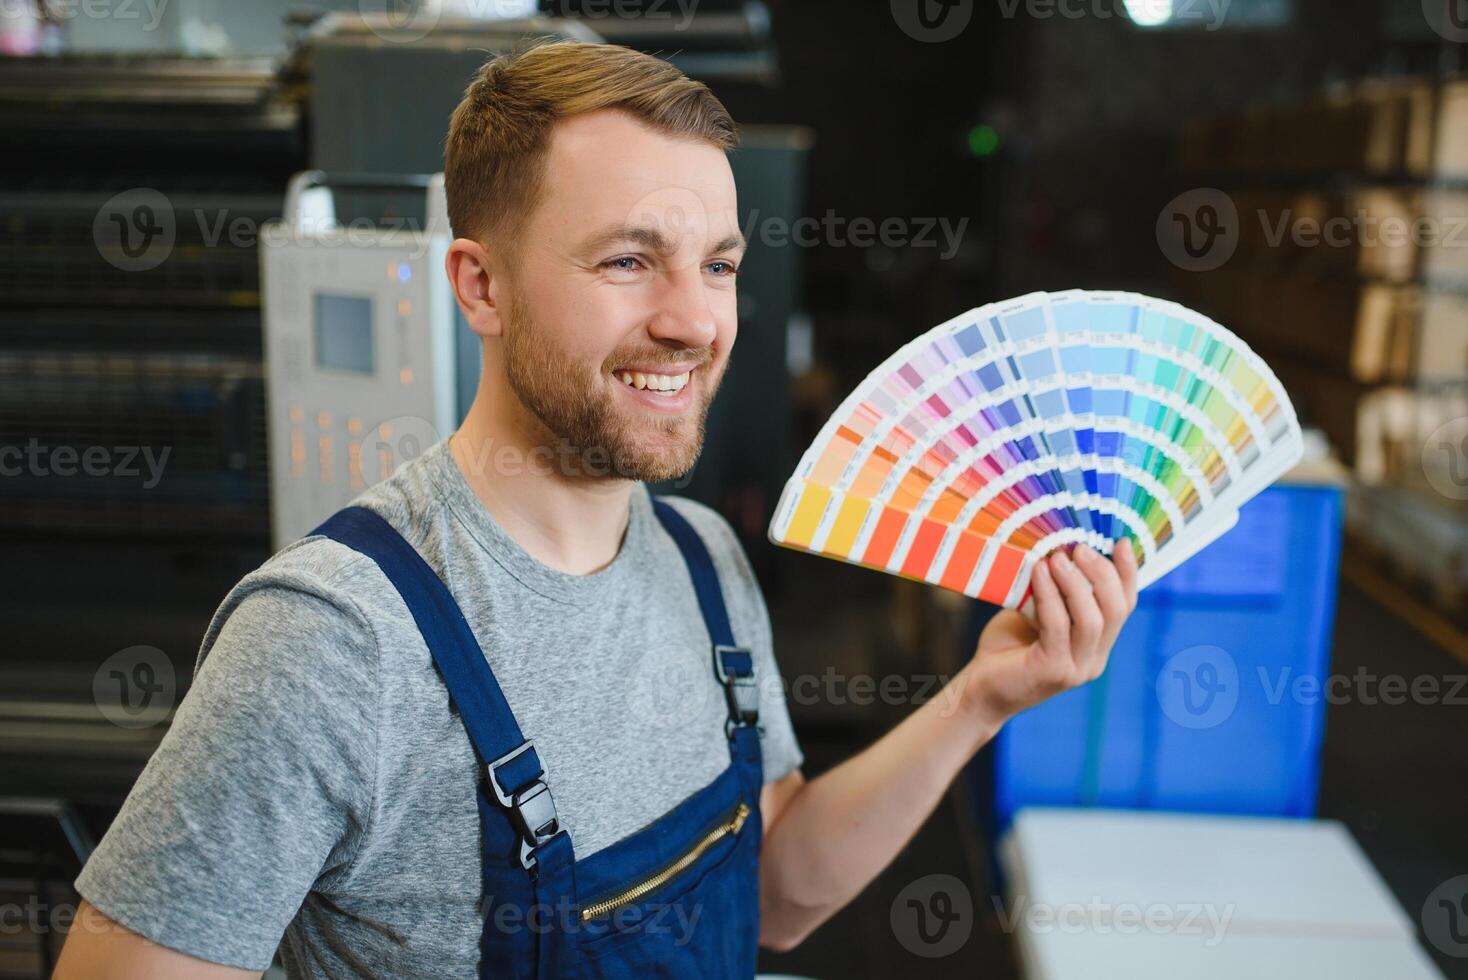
99,949
827,839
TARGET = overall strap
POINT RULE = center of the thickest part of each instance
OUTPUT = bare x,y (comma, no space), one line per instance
513,773
733,664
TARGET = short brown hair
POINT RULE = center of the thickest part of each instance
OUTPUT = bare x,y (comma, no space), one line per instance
494,156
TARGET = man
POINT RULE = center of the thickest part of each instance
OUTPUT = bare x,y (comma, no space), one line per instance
333,776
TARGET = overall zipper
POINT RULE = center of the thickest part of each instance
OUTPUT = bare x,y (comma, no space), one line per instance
728,826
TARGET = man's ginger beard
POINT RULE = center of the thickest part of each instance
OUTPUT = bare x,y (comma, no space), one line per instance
576,407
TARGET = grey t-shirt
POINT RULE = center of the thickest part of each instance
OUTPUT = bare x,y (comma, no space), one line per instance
315,785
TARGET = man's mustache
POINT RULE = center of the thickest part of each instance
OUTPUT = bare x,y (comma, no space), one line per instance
660,357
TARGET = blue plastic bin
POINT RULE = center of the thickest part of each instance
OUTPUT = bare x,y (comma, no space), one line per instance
1203,707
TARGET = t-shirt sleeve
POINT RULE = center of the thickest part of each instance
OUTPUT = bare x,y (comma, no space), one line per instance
260,788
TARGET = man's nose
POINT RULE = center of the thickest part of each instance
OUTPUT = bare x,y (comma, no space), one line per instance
683,313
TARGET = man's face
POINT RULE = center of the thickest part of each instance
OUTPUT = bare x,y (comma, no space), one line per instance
622,314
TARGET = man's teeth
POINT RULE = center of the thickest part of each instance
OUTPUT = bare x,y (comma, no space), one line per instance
666,383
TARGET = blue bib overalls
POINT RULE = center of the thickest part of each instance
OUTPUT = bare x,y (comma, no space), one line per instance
679,898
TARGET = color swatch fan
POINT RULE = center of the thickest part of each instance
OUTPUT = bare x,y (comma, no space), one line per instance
1024,426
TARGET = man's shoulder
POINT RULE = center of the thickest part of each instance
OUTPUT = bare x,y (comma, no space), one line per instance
717,534
322,567
313,589
722,541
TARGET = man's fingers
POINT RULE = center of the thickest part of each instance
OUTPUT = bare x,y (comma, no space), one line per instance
1124,557
1105,584
1050,613
1086,621
1111,598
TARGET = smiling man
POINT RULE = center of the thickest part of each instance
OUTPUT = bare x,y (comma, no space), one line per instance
511,715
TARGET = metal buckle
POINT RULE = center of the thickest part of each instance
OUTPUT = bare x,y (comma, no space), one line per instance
531,806
741,693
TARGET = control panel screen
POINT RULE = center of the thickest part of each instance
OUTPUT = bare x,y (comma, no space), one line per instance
344,333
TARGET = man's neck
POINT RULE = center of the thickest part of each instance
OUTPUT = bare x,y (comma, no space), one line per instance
573,525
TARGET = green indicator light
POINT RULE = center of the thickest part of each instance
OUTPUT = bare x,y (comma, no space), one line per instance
983,141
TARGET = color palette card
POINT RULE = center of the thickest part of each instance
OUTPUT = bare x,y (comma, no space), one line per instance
1037,423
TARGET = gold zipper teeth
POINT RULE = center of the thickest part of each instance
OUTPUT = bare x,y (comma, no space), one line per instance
729,826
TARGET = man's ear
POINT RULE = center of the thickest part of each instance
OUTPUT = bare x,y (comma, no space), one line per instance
477,288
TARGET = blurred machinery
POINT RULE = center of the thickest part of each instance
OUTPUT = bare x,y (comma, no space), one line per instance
132,443
132,186
367,357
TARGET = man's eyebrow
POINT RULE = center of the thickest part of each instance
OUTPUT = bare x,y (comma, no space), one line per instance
732,243
653,239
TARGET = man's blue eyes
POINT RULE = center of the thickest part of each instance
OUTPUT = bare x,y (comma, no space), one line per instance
629,263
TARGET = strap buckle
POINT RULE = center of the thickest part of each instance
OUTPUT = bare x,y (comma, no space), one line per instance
531,806
740,690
